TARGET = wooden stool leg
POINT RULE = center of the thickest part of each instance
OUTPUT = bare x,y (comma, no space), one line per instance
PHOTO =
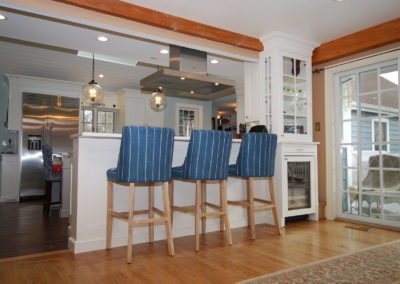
171,199
151,212
224,204
274,211
130,219
250,200
110,201
203,206
221,218
168,230
197,215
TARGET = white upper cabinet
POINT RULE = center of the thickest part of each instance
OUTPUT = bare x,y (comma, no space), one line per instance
286,88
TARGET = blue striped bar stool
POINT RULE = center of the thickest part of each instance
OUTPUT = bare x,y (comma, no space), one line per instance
145,156
256,158
207,158
50,176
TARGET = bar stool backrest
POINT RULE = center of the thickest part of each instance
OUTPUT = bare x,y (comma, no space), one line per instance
49,175
207,156
145,154
256,156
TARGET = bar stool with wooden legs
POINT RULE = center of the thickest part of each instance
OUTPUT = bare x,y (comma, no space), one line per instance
206,159
256,158
145,156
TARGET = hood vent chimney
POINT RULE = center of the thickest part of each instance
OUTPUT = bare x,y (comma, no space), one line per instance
187,74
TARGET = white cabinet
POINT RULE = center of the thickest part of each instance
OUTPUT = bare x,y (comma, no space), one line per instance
287,112
9,189
252,93
297,179
134,109
288,97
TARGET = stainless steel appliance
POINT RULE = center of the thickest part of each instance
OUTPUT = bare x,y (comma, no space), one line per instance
45,120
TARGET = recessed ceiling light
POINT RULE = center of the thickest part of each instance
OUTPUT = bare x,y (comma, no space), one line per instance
101,75
216,83
2,17
214,61
164,51
183,78
192,92
160,87
339,0
102,38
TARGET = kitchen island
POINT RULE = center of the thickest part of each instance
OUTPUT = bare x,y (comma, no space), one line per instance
94,154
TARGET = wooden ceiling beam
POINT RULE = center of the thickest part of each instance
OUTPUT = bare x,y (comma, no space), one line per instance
373,37
154,18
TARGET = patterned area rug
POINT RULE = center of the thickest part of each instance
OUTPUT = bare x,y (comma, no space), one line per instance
379,264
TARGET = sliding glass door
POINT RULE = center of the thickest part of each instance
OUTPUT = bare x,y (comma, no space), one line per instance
367,116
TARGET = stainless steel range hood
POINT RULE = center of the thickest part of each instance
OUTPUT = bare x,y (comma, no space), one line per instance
188,76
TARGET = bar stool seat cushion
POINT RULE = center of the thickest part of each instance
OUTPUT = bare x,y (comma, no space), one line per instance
49,175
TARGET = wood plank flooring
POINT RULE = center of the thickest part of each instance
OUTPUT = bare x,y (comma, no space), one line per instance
301,242
24,230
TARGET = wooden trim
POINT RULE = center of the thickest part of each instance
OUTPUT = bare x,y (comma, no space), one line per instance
373,37
165,21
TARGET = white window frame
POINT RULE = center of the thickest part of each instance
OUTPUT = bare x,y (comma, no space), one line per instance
331,131
380,122
198,115
95,120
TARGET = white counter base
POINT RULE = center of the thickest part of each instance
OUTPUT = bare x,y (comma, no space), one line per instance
94,154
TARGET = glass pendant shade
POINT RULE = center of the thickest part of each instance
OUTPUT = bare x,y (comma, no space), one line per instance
92,92
158,101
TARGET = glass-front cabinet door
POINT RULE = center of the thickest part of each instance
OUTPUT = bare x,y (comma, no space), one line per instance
299,197
294,95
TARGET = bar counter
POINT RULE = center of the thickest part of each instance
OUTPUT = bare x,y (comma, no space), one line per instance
94,154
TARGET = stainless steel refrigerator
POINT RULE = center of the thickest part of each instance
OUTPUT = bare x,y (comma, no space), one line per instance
45,120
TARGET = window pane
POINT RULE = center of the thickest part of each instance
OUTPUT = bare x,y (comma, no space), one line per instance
101,128
349,156
350,203
369,105
87,127
366,133
109,128
371,206
392,209
350,179
110,117
390,103
388,77
349,131
371,182
87,115
101,117
368,81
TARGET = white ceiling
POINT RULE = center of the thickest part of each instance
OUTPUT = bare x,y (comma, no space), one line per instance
40,46
315,20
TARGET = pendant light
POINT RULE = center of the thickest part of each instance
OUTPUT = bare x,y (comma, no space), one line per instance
92,92
158,100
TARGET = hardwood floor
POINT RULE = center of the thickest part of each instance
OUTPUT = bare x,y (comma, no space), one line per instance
301,242
24,230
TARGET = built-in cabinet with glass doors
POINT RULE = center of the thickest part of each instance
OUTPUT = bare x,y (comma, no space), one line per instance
288,113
